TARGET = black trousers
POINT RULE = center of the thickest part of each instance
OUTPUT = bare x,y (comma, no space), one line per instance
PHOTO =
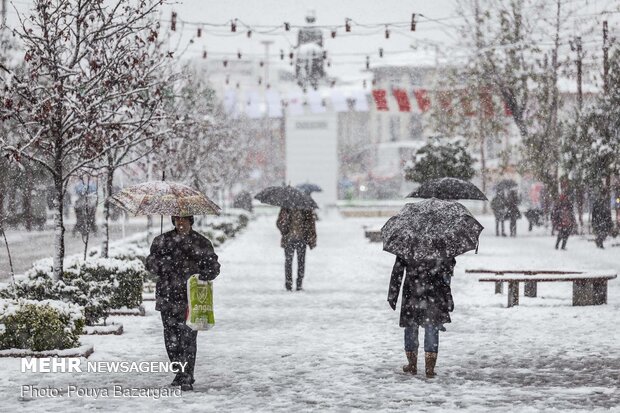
513,227
497,225
289,251
563,235
180,342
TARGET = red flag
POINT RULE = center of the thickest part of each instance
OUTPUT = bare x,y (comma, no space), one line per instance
380,99
424,103
402,99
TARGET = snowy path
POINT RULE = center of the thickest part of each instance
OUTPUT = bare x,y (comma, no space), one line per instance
337,346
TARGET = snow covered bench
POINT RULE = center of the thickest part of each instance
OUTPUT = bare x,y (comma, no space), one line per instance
589,287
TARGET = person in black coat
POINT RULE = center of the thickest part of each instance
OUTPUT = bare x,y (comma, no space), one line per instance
175,256
498,205
426,302
512,211
602,223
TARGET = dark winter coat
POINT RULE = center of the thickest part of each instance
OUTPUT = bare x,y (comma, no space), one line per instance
173,259
602,223
498,205
512,206
297,225
562,216
427,297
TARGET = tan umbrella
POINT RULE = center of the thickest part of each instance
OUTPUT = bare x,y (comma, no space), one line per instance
164,198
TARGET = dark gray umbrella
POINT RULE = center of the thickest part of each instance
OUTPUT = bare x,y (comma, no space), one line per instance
448,189
431,229
505,184
309,188
286,197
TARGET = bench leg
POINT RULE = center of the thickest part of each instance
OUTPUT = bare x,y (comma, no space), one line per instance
513,293
499,287
589,292
600,292
529,290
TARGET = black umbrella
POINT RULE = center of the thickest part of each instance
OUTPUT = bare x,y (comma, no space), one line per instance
431,229
448,188
286,197
309,188
505,184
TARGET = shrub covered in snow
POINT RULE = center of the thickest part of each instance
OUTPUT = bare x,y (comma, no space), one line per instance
84,290
40,325
97,285
126,276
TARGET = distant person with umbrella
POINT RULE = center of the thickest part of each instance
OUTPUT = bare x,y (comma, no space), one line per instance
297,227
498,205
425,237
512,211
174,257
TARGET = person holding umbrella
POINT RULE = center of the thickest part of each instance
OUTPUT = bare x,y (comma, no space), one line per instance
425,237
297,225
174,257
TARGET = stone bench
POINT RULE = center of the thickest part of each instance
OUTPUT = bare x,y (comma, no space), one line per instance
589,287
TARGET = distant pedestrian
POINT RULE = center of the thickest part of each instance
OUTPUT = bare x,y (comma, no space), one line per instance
426,302
602,223
512,211
498,205
564,219
175,256
298,230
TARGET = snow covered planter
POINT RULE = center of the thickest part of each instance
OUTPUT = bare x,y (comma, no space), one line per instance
40,325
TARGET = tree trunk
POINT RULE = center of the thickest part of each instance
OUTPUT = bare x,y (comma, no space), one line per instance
483,171
59,228
27,198
106,211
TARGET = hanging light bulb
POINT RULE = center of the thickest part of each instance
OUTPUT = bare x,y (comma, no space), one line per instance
367,62
238,54
281,54
290,55
261,63
204,54
333,33
329,63
225,62
249,33
413,22
287,26
347,25
233,25
199,32
387,32
260,80
381,52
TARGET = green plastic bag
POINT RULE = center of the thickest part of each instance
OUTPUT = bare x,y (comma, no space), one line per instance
200,304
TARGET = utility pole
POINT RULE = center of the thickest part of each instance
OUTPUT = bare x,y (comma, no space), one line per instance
605,59
579,193
267,43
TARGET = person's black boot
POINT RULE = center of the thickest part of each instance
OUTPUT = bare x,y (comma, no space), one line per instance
187,387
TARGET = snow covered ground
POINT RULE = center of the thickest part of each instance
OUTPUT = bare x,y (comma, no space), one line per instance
337,346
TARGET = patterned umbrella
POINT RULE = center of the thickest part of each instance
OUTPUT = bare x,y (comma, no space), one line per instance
286,197
164,198
431,229
448,189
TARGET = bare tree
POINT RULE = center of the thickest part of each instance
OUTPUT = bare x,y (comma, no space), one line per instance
80,61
